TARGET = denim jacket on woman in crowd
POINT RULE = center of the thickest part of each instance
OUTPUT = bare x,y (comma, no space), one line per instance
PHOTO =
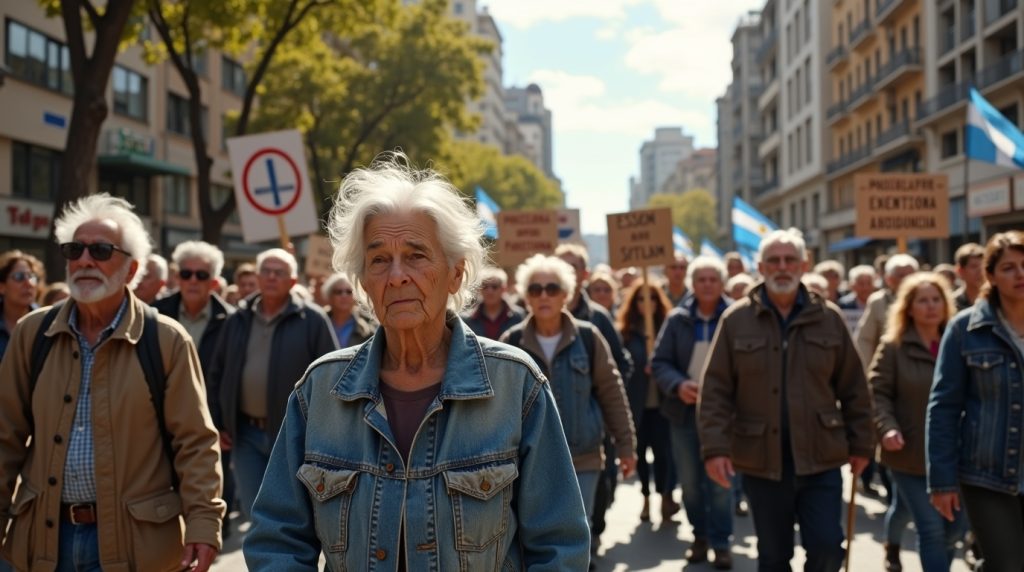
978,376
489,484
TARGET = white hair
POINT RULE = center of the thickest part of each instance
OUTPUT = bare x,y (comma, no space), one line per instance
577,250
325,288
391,186
861,270
493,273
741,278
158,262
830,266
813,279
899,261
705,263
278,254
791,236
102,206
538,263
203,251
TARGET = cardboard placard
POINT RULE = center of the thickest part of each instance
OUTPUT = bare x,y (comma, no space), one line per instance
902,205
318,256
521,234
640,238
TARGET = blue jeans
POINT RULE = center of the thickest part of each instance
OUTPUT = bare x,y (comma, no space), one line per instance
813,501
79,548
936,537
251,454
652,433
588,488
899,515
708,505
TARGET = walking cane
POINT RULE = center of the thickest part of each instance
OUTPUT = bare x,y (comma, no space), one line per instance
851,514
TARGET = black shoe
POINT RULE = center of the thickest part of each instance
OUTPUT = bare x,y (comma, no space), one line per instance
698,551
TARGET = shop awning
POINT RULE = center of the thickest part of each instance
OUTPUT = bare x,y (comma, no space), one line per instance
140,164
850,243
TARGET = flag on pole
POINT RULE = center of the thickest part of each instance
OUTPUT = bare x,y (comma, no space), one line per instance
991,137
680,243
748,225
708,249
487,210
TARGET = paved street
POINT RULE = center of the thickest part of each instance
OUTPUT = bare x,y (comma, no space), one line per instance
631,545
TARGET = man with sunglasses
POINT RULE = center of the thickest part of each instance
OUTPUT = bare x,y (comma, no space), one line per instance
97,490
493,314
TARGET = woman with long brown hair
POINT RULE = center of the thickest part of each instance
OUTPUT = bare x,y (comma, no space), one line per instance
21,275
651,428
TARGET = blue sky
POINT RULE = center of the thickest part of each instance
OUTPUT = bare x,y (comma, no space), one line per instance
612,71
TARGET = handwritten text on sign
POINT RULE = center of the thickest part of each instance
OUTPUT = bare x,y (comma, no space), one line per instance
521,234
894,205
640,238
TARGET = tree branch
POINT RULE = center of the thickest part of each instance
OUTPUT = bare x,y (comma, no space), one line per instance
94,16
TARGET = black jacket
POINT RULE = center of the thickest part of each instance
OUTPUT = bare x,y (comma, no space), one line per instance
596,314
220,310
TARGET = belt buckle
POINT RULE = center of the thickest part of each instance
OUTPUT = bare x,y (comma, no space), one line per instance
78,506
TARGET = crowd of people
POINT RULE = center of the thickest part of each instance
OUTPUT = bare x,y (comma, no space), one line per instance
422,410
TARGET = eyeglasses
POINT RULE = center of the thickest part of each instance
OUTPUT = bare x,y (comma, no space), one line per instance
551,289
781,260
186,274
341,291
22,276
278,272
98,250
491,286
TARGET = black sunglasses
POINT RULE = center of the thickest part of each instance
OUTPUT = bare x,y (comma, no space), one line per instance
201,275
551,289
21,276
97,250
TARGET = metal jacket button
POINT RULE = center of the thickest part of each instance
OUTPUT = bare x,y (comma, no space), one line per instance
390,467
485,486
381,554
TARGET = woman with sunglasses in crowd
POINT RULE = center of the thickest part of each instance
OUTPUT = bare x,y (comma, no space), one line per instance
652,429
350,327
578,364
20,277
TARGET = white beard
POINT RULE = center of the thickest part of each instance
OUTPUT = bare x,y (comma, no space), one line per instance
88,294
777,288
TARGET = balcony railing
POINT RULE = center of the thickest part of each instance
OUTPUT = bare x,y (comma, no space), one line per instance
849,159
908,57
1009,65
836,109
863,92
895,132
946,97
996,9
860,32
885,9
837,54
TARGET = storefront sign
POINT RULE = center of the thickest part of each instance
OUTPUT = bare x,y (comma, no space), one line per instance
989,198
902,205
25,218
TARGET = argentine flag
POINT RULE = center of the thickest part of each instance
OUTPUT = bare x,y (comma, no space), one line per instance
487,210
991,137
681,244
748,225
708,249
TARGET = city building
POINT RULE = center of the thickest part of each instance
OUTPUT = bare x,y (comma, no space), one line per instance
658,158
694,172
531,137
490,106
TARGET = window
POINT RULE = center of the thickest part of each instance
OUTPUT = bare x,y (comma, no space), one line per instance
232,76
457,8
808,147
37,59
199,59
807,20
35,172
176,195
1010,113
949,145
219,194
131,93
177,116
133,188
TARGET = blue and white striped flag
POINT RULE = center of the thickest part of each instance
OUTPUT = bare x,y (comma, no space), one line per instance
991,137
708,249
487,210
680,243
748,225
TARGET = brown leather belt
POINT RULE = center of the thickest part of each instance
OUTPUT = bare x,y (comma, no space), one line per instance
78,513
257,422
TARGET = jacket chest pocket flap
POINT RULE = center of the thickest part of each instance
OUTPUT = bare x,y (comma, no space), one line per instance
749,354
480,501
331,490
160,508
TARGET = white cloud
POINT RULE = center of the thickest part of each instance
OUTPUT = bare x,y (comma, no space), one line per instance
526,13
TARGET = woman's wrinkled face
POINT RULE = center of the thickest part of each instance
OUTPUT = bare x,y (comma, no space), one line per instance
405,272
545,295
602,293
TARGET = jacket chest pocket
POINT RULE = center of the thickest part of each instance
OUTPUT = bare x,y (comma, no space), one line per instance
751,355
481,504
331,492
987,371
821,354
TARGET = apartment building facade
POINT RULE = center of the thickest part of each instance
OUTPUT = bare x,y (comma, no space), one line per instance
532,120
698,171
658,159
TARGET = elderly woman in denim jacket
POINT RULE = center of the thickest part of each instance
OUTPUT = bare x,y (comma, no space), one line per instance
975,424
901,377
577,360
426,447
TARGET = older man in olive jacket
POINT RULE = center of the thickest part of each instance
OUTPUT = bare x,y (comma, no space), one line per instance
784,401
96,489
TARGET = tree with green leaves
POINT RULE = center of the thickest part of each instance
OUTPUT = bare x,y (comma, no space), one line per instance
398,78
693,212
256,27
108,24
511,180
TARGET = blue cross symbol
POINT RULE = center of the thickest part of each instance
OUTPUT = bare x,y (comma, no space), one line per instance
274,188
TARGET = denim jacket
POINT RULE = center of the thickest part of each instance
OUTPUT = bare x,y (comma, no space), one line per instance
489,484
975,419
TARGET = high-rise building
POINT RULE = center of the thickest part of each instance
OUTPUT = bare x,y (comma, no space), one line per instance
490,106
694,172
533,121
658,158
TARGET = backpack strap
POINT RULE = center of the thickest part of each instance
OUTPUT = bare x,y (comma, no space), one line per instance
587,333
152,364
515,337
41,346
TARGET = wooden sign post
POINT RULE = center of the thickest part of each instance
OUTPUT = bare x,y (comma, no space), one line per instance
902,206
521,234
641,238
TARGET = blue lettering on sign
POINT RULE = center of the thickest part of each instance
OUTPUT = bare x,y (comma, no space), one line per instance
54,119
274,188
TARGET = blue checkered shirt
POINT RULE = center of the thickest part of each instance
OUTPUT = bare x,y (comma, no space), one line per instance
80,464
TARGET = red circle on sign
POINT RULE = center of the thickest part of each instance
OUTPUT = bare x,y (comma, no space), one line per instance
248,193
